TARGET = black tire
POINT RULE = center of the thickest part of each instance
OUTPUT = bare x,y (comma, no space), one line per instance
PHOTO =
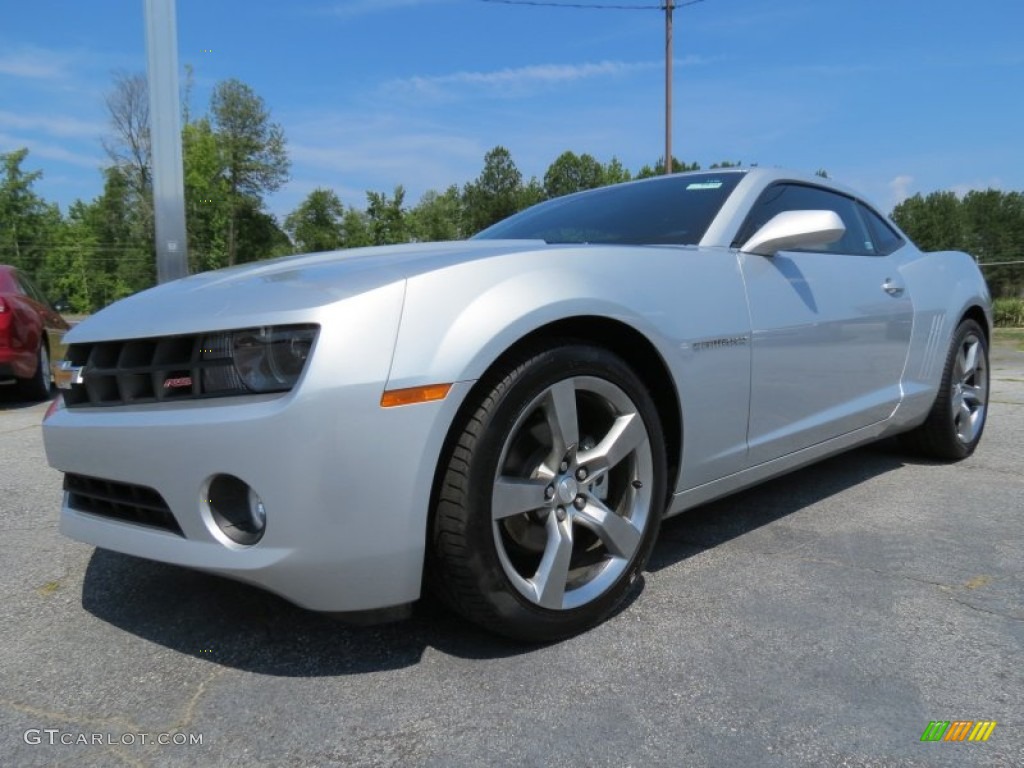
482,551
38,387
956,421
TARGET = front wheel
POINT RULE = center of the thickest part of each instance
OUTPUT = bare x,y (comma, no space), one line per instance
552,495
953,428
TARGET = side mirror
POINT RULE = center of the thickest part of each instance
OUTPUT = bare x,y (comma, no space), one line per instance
790,230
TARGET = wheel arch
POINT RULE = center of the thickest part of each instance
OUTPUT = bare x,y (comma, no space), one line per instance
977,314
617,337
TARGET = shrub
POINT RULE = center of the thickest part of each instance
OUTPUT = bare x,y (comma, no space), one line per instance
1009,313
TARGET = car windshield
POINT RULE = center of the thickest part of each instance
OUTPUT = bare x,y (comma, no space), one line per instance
672,210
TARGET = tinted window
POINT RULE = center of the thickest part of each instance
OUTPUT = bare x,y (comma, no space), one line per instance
30,290
885,237
798,197
674,210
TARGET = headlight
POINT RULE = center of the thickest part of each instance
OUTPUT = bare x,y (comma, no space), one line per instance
271,359
166,368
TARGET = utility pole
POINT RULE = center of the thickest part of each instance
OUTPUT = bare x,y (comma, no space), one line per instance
165,136
669,5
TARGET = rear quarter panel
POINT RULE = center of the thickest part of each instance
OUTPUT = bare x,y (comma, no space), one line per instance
944,286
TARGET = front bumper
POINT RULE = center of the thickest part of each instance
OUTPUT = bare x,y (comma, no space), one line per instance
345,483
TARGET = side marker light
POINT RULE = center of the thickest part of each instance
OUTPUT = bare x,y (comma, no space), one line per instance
413,395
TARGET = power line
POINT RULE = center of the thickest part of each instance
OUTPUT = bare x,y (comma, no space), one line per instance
589,6
592,6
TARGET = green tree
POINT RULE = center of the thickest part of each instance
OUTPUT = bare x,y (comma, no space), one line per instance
495,194
993,231
252,151
437,217
572,173
207,209
531,193
124,250
27,222
615,172
356,229
259,235
95,255
70,271
386,217
316,225
678,166
934,223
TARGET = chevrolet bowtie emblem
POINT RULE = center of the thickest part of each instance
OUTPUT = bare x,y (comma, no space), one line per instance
68,375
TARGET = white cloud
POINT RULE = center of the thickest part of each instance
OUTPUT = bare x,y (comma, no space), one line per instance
516,81
347,9
353,152
49,151
62,126
34,63
899,188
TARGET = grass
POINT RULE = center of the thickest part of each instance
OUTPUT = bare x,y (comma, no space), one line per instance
1010,337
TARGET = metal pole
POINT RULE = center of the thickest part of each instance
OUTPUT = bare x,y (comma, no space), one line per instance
668,85
165,138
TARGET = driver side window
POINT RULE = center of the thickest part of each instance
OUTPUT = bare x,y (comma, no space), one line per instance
780,198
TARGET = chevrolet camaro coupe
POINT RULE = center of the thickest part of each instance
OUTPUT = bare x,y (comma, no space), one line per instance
508,419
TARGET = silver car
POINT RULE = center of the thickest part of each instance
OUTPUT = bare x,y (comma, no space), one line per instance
509,418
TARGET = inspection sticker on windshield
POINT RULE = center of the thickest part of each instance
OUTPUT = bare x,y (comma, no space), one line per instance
704,185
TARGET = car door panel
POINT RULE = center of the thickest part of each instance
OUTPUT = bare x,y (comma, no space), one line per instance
830,331
829,344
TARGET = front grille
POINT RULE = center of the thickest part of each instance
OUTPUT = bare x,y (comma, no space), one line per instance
153,370
120,501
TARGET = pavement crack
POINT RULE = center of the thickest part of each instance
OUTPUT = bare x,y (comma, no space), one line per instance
64,717
19,429
1009,616
190,708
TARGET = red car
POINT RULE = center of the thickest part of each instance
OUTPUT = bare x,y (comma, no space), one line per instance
31,335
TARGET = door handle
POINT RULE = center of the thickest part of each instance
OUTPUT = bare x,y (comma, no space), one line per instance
892,288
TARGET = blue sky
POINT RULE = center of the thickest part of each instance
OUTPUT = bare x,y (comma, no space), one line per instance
893,97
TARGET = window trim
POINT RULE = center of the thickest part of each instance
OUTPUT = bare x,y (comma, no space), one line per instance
871,223
868,228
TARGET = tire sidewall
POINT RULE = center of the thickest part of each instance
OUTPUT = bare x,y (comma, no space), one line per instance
540,372
943,404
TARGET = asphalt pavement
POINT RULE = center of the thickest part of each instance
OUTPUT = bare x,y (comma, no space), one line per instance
822,619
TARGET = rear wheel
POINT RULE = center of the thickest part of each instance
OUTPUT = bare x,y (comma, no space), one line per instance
953,428
552,495
38,387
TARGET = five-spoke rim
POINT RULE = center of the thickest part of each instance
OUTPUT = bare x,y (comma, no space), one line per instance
572,492
970,389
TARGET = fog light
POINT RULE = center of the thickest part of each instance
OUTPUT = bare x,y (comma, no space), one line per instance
236,509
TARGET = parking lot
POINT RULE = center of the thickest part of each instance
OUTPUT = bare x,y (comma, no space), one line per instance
822,619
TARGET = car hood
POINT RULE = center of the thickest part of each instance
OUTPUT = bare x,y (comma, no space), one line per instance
251,294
